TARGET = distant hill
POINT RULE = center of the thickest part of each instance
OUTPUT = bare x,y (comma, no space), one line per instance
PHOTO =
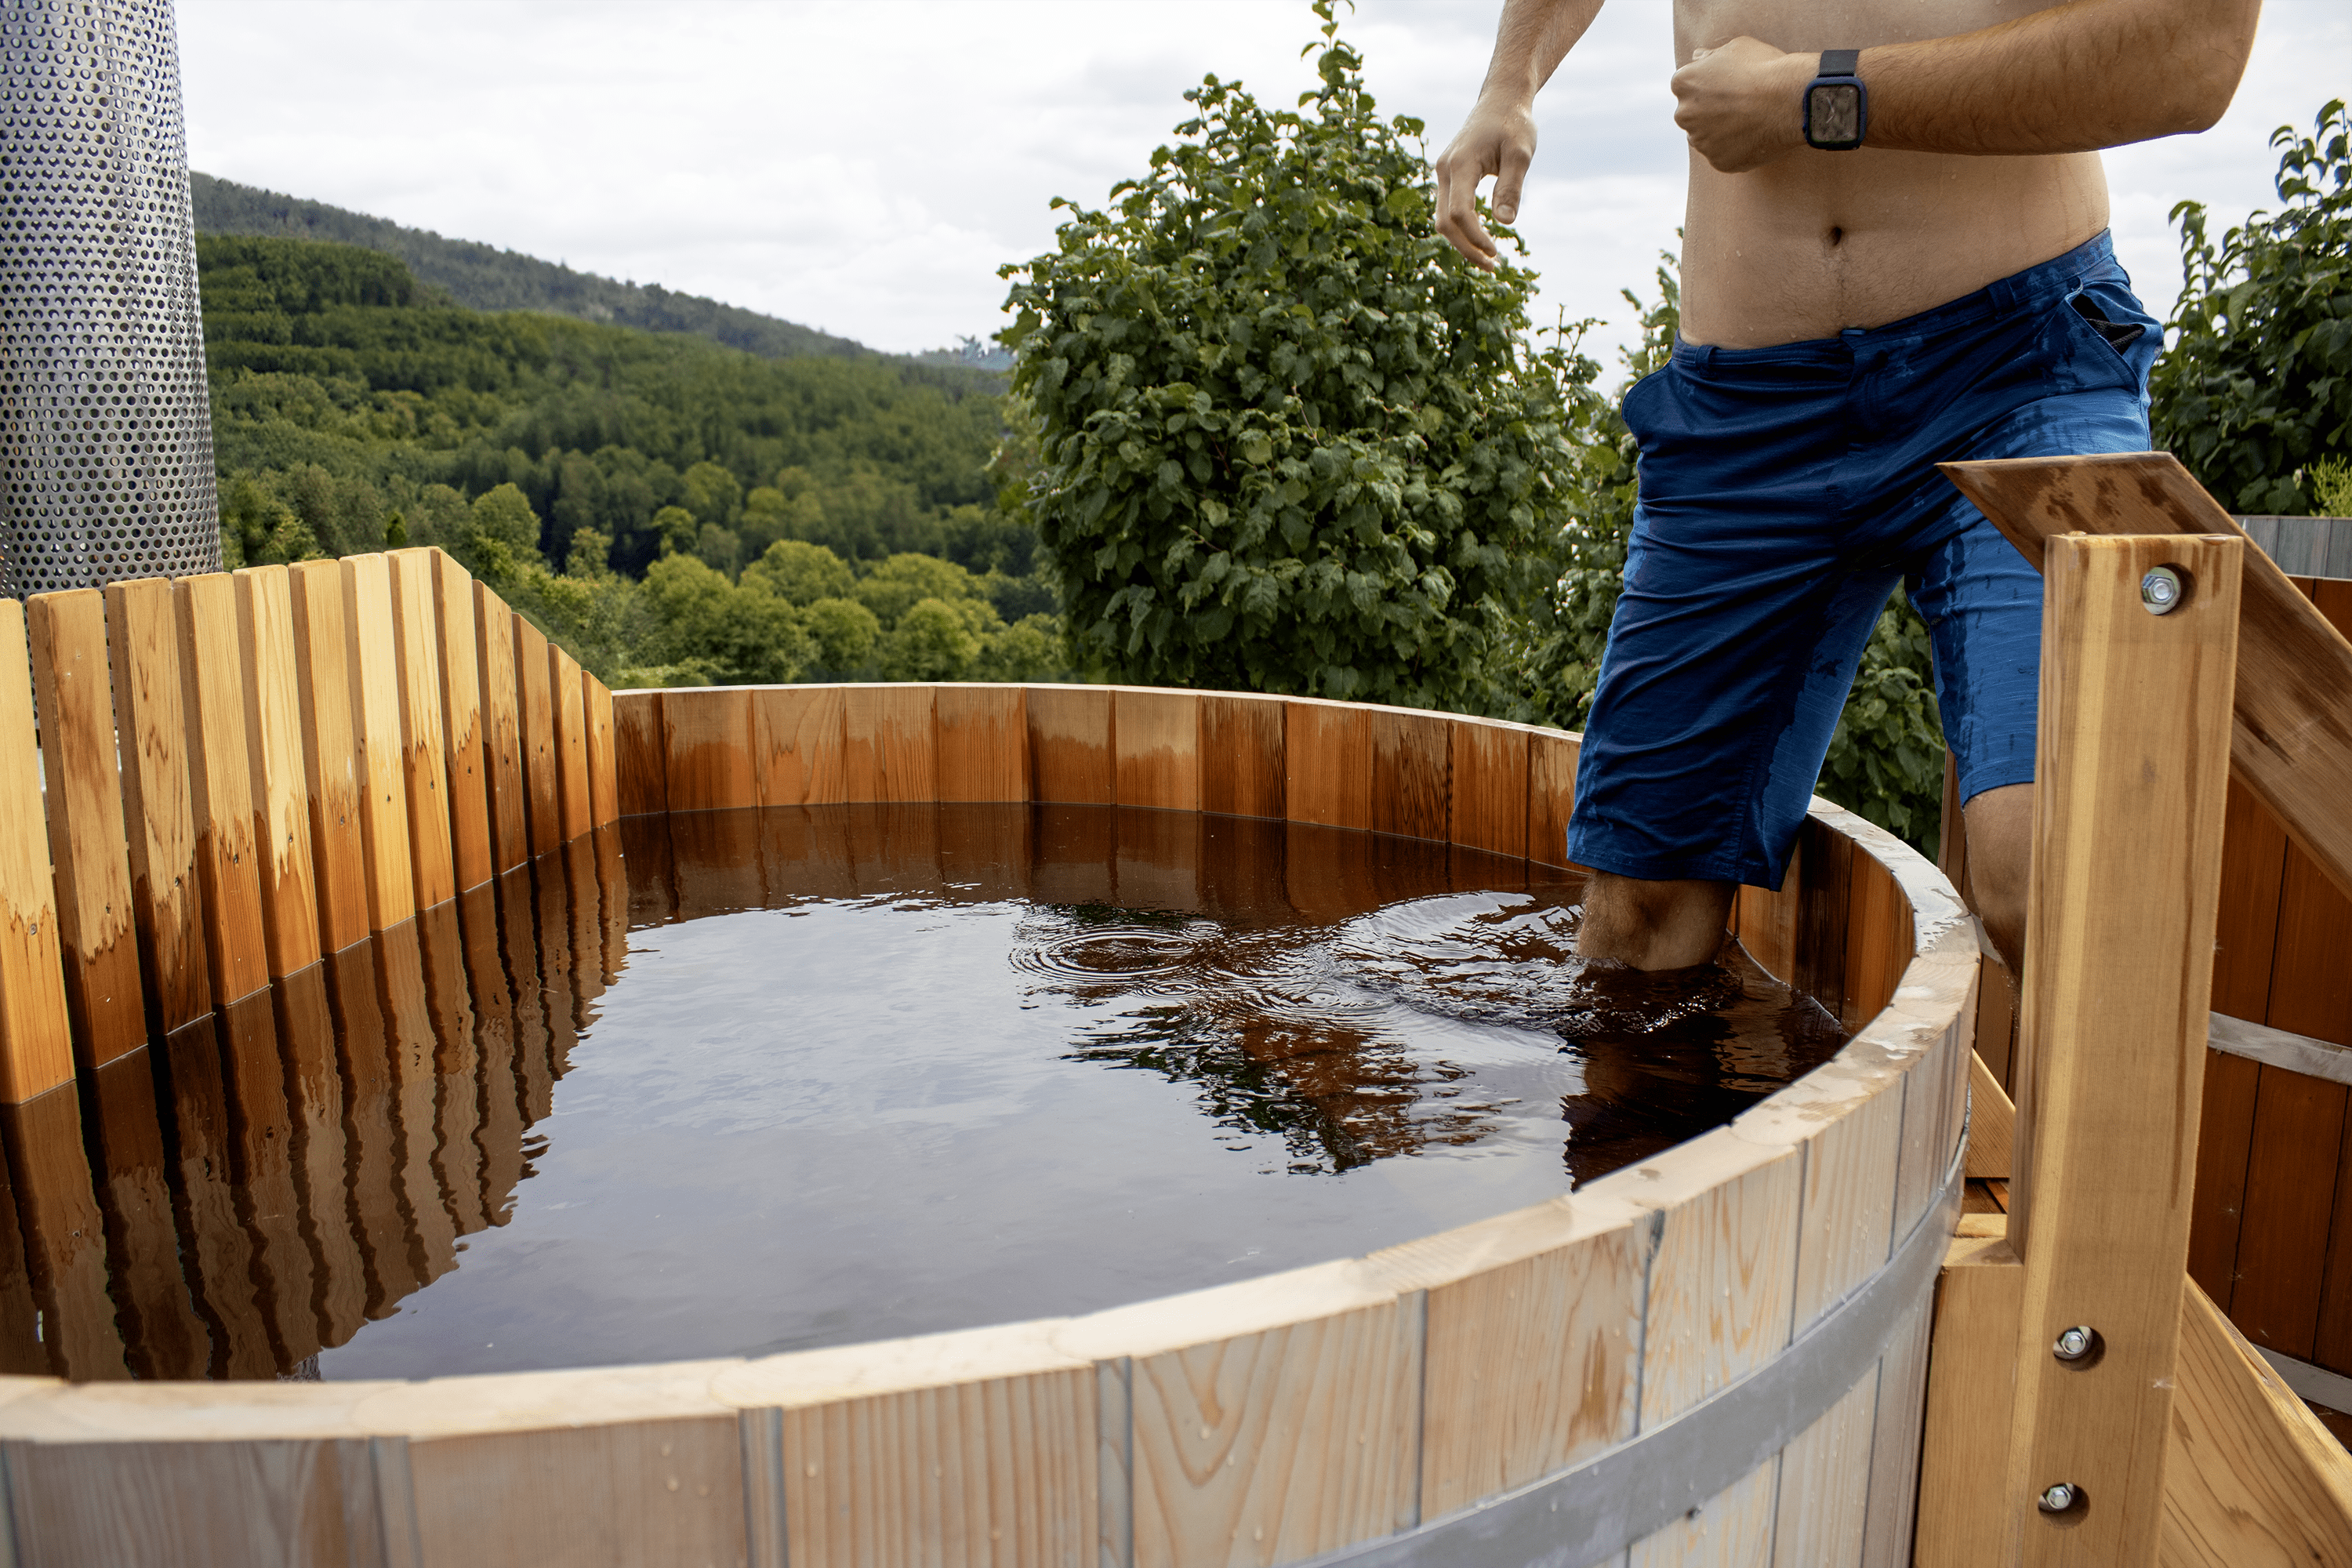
482,277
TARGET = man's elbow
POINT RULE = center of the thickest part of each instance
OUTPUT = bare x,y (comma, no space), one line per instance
2205,64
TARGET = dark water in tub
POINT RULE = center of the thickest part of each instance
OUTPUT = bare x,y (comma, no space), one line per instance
752,1081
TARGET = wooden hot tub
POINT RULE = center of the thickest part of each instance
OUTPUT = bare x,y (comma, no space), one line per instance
1724,1345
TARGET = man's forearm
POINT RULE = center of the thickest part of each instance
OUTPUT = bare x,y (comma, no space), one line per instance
1530,41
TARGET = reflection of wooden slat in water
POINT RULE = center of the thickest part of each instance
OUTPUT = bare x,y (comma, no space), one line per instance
1156,739
519,946
604,788
1328,751
314,1089
261,1155
494,1052
567,705
587,925
984,743
1242,765
502,742
802,854
329,752
161,1330
716,854
892,849
1070,756
652,869
535,718
559,994
1327,875
1241,866
217,1255
424,764
65,1235
457,1066
613,898
640,752
1157,864
280,784
220,778
1073,848
1407,867
22,1355
796,744
887,750
375,725
150,711
461,722
1411,774
984,854
364,1043
1475,871
415,1110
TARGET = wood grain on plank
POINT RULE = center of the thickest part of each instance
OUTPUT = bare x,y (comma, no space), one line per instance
1732,1529
2290,1200
1979,1297
1157,740
1723,1283
1328,755
1848,1226
1551,797
2246,929
1993,1125
1071,760
706,734
604,783
888,750
375,680
1412,784
796,746
282,783
150,711
502,742
1243,764
1824,905
2225,1135
424,726
455,620
568,701
984,743
1765,921
296,1501
1878,941
1824,1484
329,752
1489,794
2311,984
105,999
1890,1525
640,753
220,777
535,715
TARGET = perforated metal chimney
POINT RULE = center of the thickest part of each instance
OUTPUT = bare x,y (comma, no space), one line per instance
106,449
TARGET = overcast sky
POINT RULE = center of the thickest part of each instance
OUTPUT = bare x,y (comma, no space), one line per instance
864,167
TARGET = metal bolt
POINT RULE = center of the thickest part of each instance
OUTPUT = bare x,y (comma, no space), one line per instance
2161,590
2075,1343
2058,1499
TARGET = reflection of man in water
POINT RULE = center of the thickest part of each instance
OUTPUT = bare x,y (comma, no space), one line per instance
1895,254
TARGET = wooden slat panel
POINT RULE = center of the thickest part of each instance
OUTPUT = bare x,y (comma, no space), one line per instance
1877,941
984,743
995,1471
1070,755
63,1235
1551,797
1242,1449
1849,1191
796,752
604,782
303,1503
376,681
1896,1441
502,743
1996,1023
1242,763
2311,983
454,619
280,782
423,727
2225,1141
1490,786
708,734
1817,1518
1824,904
535,715
640,753
1157,741
1964,1458
2290,1199
568,701
149,708
1328,751
1411,782
105,999
2245,935
2331,1347
887,750
1732,1529
220,777
329,752
1723,1283
1766,923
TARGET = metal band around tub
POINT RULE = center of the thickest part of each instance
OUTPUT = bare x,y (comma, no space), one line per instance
1574,1518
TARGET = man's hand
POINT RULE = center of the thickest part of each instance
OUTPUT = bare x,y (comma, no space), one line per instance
1742,104
1498,139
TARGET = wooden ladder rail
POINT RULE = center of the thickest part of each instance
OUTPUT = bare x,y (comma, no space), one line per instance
2183,1445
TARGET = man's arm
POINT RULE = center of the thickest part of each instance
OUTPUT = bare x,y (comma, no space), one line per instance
1499,137
2073,78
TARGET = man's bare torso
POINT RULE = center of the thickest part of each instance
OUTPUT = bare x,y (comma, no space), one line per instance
1817,242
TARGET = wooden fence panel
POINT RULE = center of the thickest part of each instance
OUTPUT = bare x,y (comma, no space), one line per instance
425,763
329,752
1328,749
1551,797
1412,784
604,782
375,725
35,1049
220,775
983,743
568,703
1489,796
455,618
889,753
640,753
502,736
1244,770
1157,743
535,708
707,734
280,782
149,712
1071,760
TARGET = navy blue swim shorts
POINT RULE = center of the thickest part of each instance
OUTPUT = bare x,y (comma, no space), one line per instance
1785,491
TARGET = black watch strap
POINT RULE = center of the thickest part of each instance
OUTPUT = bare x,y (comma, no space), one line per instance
1841,62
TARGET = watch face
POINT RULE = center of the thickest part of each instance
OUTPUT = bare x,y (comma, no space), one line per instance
1833,114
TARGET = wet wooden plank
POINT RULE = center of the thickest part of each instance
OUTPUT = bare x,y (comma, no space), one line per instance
425,762
640,753
984,743
375,678
220,778
708,735
280,780
462,761
1723,1283
1071,760
1824,904
1819,1512
1244,767
535,715
1551,797
1328,749
329,752
1489,792
1877,941
502,743
1412,785
604,783
888,750
1155,744
1732,1529
568,702
144,639
64,1234
796,748
105,999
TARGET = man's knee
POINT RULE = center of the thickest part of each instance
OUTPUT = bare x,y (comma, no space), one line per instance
1653,925
2000,864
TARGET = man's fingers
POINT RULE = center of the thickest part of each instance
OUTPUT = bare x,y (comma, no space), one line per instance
1509,182
1457,209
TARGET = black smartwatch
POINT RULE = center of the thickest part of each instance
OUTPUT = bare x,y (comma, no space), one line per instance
1837,106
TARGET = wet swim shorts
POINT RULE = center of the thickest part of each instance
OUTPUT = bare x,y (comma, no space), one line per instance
1784,493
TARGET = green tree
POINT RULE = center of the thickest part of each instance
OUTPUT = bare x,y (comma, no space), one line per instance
931,642
846,633
1286,439
896,585
712,494
739,636
800,573
2257,388
496,537
1028,650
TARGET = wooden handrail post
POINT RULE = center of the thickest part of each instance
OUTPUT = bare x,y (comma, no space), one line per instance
2134,763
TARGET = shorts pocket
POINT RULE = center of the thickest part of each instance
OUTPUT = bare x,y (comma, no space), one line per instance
2108,339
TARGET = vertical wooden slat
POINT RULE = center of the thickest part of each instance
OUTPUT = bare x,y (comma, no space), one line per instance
424,761
796,756
1070,756
1242,766
1327,753
888,750
36,1042
604,782
640,753
2225,1141
707,735
1489,796
462,755
2290,1198
535,712
1964,1451
1551,797
1412,785
1768,918
281,784
150,711
220,777
375,685
1824,904
567,702
105,999
1156,748
984,743
1877,941
329,752
502,743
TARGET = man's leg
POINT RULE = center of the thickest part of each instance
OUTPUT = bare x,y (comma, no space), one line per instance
1653,925
2001,856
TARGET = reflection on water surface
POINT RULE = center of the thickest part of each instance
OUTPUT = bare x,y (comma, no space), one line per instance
810,1077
